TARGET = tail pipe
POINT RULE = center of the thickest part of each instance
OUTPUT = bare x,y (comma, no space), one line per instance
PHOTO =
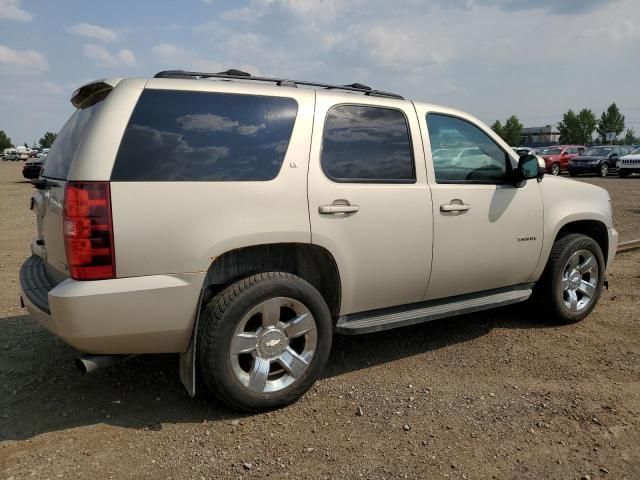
89,363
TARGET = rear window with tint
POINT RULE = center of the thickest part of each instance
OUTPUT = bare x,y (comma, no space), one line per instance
64,148
203,136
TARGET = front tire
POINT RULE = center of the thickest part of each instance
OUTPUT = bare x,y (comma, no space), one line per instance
604,170
622,173
264,341
572,281
555,169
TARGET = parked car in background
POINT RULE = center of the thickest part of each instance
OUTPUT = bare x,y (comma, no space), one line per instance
600,159
340,223
556,158
10,154
33,167
629,164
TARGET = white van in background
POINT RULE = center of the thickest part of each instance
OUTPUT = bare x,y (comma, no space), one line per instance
23,152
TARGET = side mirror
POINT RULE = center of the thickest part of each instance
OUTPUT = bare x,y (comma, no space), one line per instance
528,167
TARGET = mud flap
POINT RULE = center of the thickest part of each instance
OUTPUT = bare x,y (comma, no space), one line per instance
188,358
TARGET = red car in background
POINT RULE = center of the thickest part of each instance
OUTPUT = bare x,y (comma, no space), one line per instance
556,158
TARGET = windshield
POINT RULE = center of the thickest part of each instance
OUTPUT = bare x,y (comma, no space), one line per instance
549,151
635,152
64,147
597,152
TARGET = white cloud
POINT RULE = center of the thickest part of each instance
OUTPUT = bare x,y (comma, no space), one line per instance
23,61
174,57
244,14
94,31
215,123
104,58
52,88
11,11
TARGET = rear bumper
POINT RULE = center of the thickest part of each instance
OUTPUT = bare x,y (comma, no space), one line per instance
152,314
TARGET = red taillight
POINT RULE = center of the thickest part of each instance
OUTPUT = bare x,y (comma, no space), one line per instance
88,231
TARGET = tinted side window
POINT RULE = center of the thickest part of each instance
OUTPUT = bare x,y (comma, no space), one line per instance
462,152
367,144
64,148
203,136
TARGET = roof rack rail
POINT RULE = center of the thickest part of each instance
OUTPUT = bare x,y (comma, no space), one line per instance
240,75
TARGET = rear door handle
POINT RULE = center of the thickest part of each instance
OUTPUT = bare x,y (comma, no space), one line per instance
455,207
333,209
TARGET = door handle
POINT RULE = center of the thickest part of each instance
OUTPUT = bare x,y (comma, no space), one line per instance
337,208
455,207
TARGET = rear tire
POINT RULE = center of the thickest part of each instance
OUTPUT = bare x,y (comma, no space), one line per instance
263,341
572,281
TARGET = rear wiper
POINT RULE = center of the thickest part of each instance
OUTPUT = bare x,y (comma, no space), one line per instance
44,184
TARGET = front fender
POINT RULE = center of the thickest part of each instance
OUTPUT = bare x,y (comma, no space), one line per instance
566,201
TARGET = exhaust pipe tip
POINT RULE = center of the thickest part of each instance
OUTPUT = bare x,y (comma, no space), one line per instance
89,363
81,365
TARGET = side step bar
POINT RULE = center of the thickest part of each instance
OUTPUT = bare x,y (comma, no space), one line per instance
387,318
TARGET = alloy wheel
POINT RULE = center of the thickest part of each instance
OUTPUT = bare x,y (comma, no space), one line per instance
580,280
273,345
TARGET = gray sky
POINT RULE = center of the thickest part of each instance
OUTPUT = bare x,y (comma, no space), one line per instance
493,58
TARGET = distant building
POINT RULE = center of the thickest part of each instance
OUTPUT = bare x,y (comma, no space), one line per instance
539,136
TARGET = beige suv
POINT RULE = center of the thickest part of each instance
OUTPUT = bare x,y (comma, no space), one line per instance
242,221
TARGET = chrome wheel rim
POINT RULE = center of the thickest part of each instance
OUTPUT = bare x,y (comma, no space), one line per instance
580,281
273,345
555,169
604,170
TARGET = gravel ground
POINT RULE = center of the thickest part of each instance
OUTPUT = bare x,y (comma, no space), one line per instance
499,394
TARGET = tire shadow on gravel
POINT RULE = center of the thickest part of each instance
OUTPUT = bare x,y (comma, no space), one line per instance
42,391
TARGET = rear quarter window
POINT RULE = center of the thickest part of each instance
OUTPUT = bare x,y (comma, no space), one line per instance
64,148
204,136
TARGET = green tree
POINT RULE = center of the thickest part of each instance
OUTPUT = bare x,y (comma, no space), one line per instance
5,141
568,127
586,126
630,137
47,140
497,127
611,121
577,129
512,131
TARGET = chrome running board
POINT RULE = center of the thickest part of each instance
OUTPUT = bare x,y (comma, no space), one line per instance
386,318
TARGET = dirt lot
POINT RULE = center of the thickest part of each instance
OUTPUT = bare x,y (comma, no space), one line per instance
494,395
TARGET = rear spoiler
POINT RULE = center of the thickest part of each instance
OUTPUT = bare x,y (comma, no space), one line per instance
84,95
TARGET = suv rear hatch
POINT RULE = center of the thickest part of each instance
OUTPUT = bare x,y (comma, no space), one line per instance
48,201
